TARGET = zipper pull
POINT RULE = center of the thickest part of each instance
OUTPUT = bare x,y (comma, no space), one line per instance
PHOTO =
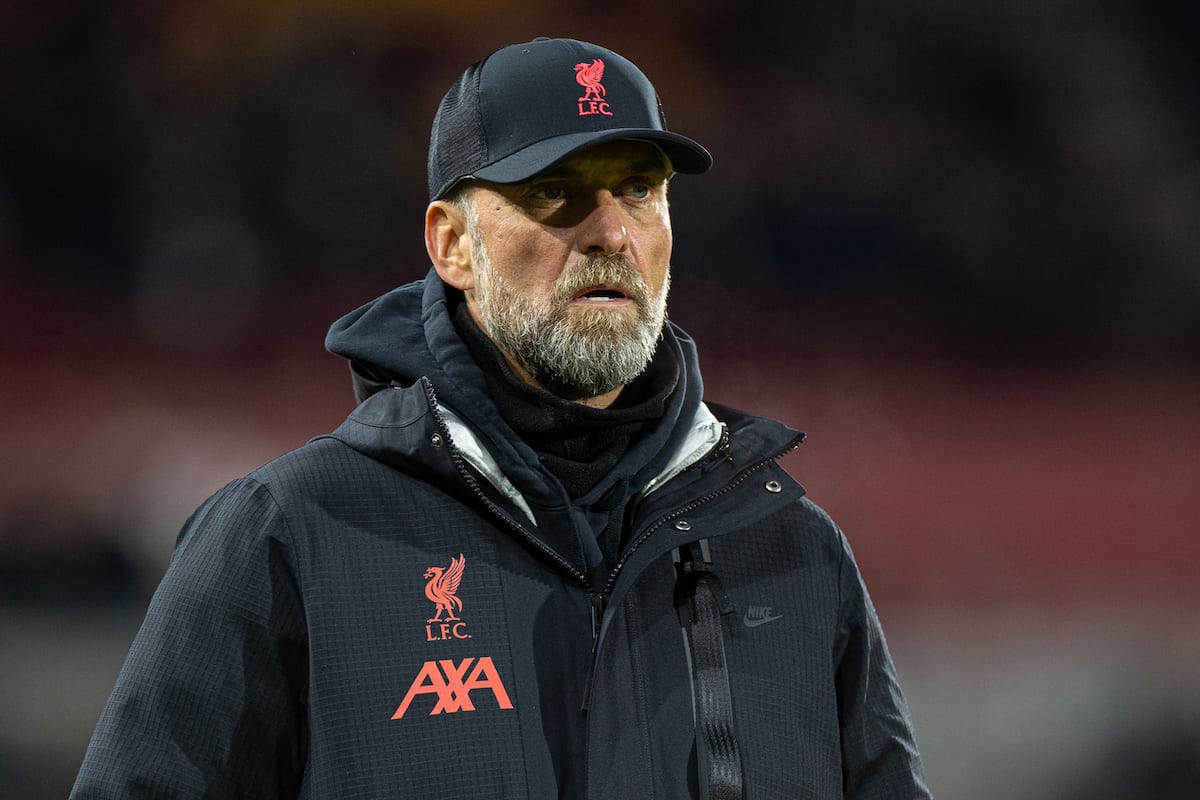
597,603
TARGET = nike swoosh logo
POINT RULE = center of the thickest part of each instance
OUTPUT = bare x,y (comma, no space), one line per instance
751,622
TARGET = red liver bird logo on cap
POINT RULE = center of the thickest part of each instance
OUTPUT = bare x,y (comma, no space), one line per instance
442,588
589,76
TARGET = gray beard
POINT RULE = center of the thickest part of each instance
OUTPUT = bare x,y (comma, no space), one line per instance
576,353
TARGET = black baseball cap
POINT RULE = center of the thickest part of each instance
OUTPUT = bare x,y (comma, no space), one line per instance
527,106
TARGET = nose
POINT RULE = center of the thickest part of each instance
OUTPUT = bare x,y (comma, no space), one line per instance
603,229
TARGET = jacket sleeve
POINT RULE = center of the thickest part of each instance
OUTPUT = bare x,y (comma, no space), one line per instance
879,751
210,702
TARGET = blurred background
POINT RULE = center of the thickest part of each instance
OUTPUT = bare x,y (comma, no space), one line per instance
954,240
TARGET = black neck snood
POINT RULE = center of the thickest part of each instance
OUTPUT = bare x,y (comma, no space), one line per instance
578,444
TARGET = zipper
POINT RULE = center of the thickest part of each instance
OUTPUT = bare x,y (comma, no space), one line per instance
465,472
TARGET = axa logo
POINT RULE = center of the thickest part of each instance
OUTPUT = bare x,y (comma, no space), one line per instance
442,589
589,76
453,684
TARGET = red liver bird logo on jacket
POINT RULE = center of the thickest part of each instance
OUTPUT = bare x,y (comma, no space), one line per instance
442,588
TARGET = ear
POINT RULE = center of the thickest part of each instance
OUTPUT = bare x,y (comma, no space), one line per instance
449,244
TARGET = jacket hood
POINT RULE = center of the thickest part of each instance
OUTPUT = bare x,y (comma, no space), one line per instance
386,340
407,334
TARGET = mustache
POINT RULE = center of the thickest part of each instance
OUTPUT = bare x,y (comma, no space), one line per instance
609,269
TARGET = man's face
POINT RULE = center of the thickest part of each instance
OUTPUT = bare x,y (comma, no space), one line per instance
572,268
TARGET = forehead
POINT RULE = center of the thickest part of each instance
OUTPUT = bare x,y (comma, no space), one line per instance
625,157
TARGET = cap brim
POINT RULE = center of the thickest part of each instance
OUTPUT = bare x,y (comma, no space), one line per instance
686,156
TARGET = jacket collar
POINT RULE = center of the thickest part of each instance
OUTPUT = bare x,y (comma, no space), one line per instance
702,435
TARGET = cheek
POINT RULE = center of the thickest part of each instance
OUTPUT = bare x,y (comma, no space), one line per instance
531,261
656,257
658,231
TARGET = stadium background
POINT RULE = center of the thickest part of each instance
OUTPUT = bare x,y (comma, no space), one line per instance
954,240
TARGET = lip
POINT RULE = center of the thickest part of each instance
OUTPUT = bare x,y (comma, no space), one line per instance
603,295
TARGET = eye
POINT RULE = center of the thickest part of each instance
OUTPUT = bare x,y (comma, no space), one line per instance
639,188
549,193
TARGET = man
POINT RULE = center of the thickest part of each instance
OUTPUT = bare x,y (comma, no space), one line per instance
532,562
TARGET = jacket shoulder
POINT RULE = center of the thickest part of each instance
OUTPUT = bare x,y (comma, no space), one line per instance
326,466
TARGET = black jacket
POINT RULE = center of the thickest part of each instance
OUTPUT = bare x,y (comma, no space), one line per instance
406,608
